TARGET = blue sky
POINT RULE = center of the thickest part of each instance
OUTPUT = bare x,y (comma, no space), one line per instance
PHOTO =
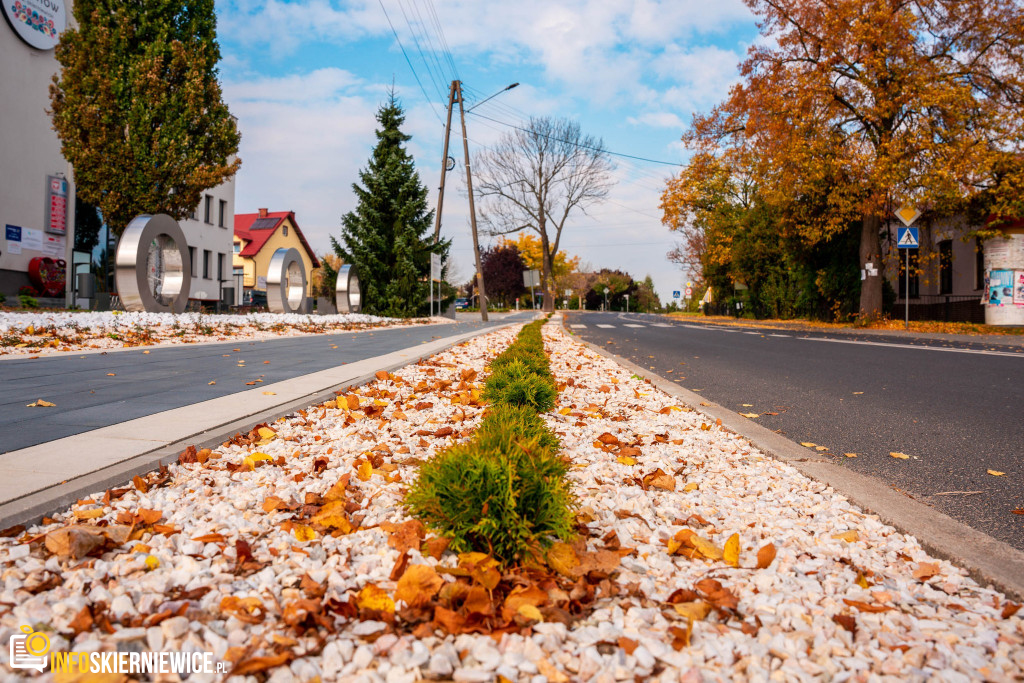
304,79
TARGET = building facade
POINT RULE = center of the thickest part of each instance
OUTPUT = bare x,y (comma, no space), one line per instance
208,232
257,236
37,193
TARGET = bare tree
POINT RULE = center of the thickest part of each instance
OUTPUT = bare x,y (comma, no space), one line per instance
535,178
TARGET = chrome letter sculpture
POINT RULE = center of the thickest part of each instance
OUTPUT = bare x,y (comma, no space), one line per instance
286,282
347,296
153,269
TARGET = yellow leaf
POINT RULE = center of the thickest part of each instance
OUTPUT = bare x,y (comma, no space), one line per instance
528,611
40,403
706,547
731,552
211,383
563,559
152,562
751,415
266,433
994,473
418,585
692,486
372,597
251,460
850,455
625,460
111,374
848,536
748,405
901,456
365,471
304,533
565,411
808,444
694,611
270,393
333,516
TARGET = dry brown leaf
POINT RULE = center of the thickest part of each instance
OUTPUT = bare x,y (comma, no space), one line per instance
694,611
405,536
926,570
373,598
901,456
765,556
40,403
996,473
250,610
660,480
849,536
866,606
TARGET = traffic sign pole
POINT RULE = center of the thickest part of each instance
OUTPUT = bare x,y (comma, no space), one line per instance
906,293
907,238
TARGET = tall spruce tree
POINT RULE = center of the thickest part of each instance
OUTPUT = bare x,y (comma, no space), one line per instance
387,237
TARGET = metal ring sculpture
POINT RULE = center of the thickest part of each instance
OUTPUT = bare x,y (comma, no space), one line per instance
286,282
347,295
153,271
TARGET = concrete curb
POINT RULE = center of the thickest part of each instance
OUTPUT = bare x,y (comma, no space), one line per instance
31,508
986,559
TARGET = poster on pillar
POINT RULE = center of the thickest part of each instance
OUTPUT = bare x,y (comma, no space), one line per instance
1000,287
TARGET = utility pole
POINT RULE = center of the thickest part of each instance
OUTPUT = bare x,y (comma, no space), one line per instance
444,163
481,292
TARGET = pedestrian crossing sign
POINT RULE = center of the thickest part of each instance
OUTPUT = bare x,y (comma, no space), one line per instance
906,238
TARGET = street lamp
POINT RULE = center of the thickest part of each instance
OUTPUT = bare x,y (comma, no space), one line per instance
505,89
627,303
606,298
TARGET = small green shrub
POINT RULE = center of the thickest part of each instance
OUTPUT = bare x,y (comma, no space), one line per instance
504,422
500,495
537,364
28,301
516,384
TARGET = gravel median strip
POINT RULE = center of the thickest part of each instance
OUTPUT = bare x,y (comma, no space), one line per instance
270,550
46,333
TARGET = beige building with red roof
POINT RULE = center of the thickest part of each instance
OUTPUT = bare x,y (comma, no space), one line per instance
257,236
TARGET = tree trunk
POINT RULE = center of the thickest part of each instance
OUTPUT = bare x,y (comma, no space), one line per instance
871,269
545,275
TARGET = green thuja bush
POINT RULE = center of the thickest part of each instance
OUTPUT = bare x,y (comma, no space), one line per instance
502,495
515,384
505,492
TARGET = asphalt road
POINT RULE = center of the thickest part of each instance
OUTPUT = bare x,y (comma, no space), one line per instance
956,408
99,389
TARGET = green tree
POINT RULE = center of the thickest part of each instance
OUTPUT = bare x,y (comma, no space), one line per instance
87,226
138,108
387,236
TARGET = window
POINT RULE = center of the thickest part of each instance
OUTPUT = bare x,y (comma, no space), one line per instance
192,260
208,209
194,215
220,267
946,267
206,263
979,264
222,213
915,285
237,247
284,229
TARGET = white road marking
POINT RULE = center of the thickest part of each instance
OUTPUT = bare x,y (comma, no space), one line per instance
662,325
607,327
631,325
578,327
757,333
916,348
780,335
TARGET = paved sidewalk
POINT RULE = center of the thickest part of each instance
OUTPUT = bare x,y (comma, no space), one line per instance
41,478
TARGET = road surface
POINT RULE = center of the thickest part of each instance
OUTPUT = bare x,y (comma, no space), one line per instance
955,408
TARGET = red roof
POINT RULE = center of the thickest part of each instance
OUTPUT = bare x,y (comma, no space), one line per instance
256,231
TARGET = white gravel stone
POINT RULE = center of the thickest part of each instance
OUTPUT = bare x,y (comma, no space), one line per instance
946,628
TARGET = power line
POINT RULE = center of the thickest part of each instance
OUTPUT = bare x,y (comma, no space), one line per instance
576,144
409,62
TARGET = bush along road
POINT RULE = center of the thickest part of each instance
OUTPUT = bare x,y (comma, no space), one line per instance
560,520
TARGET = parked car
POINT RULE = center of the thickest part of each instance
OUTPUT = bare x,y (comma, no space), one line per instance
254,298
461,304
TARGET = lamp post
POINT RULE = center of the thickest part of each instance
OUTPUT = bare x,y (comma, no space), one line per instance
606,298
456,94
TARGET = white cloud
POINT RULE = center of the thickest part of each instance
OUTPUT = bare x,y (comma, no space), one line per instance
659,119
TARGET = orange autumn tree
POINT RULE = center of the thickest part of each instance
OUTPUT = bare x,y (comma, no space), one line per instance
532,252
880,101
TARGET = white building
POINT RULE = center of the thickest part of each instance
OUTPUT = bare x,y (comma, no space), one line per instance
30,158
209,232
37,189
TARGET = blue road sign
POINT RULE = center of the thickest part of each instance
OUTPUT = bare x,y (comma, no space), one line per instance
906,238
675,294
